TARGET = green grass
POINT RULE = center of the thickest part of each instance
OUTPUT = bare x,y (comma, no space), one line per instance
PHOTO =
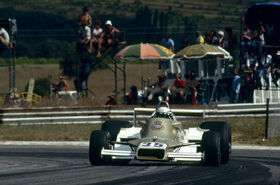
208,8
27,60
249,131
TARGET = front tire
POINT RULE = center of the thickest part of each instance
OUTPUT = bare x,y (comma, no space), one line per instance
211,146
98,139
225,132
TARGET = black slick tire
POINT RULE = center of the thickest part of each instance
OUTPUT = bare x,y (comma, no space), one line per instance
211,146
225,133
114,127
98,139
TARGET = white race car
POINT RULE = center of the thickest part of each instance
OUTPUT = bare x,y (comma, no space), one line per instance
160,138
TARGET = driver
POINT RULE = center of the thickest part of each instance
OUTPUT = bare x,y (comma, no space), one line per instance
163,112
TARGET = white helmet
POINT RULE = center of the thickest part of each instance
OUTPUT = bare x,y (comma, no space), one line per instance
221,33
163,111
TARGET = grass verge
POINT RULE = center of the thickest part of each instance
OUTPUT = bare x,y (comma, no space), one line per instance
245,131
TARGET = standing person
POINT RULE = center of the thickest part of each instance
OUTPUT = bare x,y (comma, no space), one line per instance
132,98
199,38
264,70
109,34
96,38
215,40
259,39
246,40
168,42
222,41
235,90
4,39
84,18
276,69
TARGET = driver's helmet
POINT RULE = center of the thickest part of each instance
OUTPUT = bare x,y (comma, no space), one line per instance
163,112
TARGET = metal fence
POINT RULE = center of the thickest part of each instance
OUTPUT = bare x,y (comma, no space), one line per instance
97,115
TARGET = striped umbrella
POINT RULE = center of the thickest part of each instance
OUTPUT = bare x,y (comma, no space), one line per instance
139,52
199,51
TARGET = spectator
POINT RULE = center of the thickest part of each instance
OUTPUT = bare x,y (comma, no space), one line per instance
110,101
259,39
231,40
96,38
177,89
276,69
109,34
222,41
84,18
199,38
251,65
168,42
264,70
61,85
4,39
235,90
190,88
84,38
215,40
246,39
160,88
247,88
208,38
132,98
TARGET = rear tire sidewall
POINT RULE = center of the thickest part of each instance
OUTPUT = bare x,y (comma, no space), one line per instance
225,133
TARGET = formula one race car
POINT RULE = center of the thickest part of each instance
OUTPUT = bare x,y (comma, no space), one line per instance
160,138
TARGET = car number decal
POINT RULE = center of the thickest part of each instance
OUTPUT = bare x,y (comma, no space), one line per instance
154,145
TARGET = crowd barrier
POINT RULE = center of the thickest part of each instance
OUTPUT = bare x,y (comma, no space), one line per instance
97,115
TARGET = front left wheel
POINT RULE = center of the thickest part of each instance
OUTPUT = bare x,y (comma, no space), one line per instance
98,139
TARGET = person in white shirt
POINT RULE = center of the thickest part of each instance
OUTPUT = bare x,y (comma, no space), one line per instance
96,38
4,39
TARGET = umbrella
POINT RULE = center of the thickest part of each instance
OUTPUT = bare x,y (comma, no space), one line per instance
201,51
144,52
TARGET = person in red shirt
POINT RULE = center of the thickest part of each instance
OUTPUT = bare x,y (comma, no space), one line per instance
177,89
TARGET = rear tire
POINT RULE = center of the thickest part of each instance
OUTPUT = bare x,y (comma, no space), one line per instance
225,133
114,127
211,146
98,140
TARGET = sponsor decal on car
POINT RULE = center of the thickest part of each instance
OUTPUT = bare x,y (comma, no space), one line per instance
157,125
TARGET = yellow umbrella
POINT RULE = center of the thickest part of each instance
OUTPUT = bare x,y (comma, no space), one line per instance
201,51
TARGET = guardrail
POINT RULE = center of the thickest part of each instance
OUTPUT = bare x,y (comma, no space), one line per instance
97,115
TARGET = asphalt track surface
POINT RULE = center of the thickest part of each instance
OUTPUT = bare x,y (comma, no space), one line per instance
69,165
